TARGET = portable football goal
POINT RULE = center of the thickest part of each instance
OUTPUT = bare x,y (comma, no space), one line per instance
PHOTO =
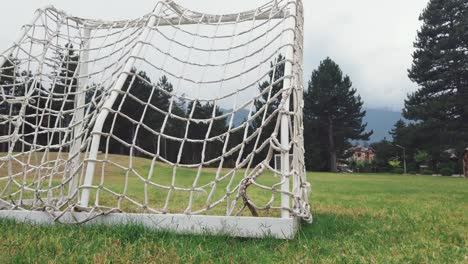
177,121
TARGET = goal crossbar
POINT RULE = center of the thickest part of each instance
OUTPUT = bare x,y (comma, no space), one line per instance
185,17
262,13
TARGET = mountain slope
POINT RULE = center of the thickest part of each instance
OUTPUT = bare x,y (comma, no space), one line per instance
239,117
381,121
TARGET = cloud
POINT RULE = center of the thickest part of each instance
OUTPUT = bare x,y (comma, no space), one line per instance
370,39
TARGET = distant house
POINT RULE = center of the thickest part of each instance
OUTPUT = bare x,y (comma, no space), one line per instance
361,153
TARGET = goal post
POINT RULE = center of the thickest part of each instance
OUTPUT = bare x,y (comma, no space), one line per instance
174,120
75,151
109,103
285,137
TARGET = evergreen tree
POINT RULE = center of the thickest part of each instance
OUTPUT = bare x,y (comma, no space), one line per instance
161,99
65,84
414,138
174,128
199,130
384,152
54,107
11,87
271,100
333,116
14,83
278,71
136,93
406,136
440,68
399,133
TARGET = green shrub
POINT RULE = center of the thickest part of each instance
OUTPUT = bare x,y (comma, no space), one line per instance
421,157
426,172
368,168
446,171
394,163
362,166
412,168
448,168
398,171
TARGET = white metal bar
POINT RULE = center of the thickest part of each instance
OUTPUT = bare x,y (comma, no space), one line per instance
287,83
191,21
197,18
96,138
215,19
228,18
253,227
80,100
262,13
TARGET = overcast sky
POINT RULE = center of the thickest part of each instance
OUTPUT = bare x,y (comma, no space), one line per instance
372,40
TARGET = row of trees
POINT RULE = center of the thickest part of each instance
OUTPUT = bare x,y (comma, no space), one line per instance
60,99
145,114
140,116
332,115
151,107
437,127
435,132
437,113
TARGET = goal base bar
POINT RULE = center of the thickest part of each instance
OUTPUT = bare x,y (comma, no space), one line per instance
249,227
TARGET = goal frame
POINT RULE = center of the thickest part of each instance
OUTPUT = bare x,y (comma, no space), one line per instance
256,227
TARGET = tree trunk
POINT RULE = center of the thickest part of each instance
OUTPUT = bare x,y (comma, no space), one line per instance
165,148
465,165
4,146
331,144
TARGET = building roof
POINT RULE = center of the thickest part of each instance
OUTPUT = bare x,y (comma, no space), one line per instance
362,149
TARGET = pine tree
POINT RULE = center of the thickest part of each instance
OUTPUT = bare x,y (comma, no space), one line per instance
333,116
136,94
14,83
10,87
174,128
199,130
440,68
268,103
65,84
384,152
399,133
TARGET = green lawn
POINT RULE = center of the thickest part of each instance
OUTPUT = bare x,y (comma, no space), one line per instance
358,218
131,185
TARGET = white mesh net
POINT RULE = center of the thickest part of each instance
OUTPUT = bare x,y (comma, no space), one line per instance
176,112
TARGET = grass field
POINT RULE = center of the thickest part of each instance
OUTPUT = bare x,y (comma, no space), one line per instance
358,219
128,180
